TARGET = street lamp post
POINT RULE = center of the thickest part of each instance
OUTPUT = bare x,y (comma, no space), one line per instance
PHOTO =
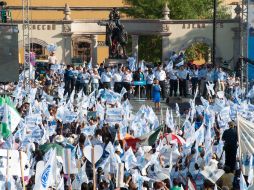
214,30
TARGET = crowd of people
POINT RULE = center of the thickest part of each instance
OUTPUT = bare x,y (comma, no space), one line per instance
180,80
79,107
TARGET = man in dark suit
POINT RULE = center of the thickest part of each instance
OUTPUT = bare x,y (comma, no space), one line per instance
230,146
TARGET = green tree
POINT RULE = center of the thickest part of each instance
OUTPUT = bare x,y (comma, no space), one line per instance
150,46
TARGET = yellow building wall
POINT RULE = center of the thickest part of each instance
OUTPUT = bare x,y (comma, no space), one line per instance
58,15
102,51
52,15
85,3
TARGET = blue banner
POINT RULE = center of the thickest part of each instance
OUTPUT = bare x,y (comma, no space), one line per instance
251,38
139,83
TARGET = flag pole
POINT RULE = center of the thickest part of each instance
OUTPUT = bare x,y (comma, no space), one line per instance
7,170
94,174
238,135
21,169
68,167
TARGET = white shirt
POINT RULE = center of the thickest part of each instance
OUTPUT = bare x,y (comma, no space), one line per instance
52,59
182,74
127,77
150,78
106,77
160,75
172,74
95,78
84,77
117,77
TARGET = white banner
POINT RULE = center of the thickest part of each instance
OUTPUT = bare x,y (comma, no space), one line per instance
246,142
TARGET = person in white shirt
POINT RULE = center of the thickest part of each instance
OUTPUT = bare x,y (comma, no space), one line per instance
127,79
117,78
194,79
182,76
172,74
52,60
82,82
160,74
106,78
149,83
95,79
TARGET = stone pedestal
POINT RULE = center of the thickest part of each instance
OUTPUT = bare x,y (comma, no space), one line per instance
113,62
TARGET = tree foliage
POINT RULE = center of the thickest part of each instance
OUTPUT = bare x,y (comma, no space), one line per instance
150,47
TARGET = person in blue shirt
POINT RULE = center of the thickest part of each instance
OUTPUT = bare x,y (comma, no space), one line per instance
221,79
68,81
138,76
156,94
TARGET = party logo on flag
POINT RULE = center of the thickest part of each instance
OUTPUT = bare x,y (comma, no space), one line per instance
45,176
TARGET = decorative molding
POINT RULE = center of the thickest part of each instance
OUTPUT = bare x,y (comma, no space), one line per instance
66,28
54,8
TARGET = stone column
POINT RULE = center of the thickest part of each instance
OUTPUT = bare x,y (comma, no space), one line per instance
67,35
165,48
67,48
94,47
236,47
135,46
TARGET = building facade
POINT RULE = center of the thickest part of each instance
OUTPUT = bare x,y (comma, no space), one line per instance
73,28
46,18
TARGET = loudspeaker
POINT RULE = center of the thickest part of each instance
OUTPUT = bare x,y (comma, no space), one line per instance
9,60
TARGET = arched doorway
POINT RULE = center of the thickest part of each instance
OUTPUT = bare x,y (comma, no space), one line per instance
38,49
198,53
81,49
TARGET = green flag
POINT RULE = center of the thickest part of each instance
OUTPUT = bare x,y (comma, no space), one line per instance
10,120
150,138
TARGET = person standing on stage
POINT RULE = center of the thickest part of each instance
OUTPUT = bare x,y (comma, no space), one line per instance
95,80
182,75
156,94
149,83
172,74
84,80
127,79
106,78
194,79
160,74
117,78
68,81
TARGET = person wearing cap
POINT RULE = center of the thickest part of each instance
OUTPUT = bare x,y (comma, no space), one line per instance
230,145
160,74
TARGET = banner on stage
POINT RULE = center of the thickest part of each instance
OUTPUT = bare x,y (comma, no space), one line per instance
246,142
251,38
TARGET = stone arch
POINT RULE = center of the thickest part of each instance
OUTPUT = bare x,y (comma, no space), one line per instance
187,43
36,41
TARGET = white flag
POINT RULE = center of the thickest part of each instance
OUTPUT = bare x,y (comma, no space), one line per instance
190,185
46,177
61,184
243,185
177,110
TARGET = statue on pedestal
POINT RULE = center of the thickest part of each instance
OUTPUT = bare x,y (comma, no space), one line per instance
116,36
